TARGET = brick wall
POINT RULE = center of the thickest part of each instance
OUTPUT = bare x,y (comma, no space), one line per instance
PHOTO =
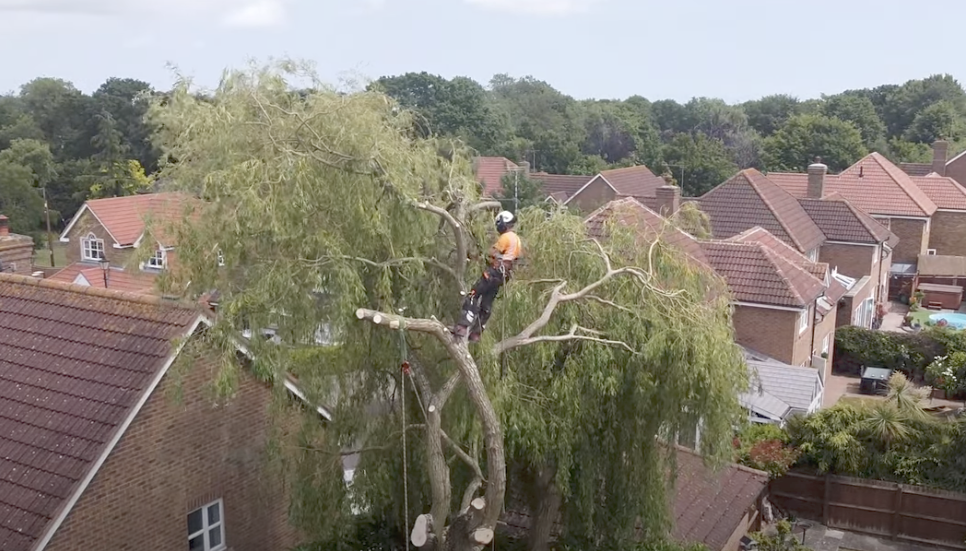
957,170
851,260
85,225
593,197
948,233
848,304
882,294
913,239
771,332
177,456
825,327
17,254
803,341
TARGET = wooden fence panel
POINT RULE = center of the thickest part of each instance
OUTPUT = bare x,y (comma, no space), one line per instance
897,511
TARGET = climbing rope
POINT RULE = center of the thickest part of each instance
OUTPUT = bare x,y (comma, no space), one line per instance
404,365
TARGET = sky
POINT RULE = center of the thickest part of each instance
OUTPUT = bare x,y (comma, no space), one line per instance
732,49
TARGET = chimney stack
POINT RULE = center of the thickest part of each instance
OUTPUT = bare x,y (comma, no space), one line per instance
816,179
4,226
939,149
668,200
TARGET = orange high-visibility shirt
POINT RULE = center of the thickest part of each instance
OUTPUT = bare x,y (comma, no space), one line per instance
508,246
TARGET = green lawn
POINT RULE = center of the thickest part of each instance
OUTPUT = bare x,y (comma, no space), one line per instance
42,257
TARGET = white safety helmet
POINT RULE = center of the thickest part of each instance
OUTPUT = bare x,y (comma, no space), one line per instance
504,220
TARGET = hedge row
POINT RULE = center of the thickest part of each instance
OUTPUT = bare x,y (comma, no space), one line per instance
909,353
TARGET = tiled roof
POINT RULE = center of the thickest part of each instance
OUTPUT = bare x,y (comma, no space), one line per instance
707,508
74,361
942,190
839,220
942,265
117,280
631,212
916,169
490,172
633,181
559,186
125,217
873,184
749,199
756,273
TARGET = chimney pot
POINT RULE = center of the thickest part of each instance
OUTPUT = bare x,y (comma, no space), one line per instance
4,226
939,150
816,179
668,199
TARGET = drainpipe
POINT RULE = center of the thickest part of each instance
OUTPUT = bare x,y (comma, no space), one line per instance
878,293
811,347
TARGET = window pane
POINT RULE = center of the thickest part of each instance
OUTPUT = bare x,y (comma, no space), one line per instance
214,514
197,543
194,521
214,536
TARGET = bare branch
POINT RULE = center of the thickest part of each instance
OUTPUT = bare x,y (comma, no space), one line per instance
557,297
484,205
392,321
447,389
470,462
572,335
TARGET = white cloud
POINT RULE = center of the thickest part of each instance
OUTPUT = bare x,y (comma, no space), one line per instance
238,13
536,7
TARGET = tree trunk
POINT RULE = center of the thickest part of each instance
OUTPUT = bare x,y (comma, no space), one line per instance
545,509
439,481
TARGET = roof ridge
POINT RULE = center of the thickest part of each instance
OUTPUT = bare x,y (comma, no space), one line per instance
125,296
879,158
777,260
772,208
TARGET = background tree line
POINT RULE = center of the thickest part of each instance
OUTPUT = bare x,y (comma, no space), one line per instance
701,142
80,146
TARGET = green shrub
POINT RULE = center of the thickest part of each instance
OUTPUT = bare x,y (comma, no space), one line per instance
910,353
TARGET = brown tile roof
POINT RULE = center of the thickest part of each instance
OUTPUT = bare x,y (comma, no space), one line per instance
633,181
74,361
756,273
942,265
125,217
749,199
942,190
873,184
631,212
707,507
916,169
490,172
118,279
560,185
839,220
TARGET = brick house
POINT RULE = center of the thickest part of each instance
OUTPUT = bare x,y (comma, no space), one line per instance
634,181
825,228
98,450
879,188
491,170
954,168
16,251
783,302
114,228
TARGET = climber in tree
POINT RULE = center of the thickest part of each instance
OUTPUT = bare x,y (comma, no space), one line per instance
478,304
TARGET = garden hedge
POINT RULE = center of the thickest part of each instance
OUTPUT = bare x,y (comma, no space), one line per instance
909,353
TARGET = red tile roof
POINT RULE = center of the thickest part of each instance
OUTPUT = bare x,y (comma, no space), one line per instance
118,279
873,184
707,508
560,186
490,172
74,361
633,181
758,274
631,212
916,169
749,199
942,190
125,217
839,220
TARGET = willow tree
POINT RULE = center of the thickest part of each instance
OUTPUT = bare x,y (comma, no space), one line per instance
321,213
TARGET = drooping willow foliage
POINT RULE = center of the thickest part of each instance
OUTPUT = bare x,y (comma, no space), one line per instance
309,200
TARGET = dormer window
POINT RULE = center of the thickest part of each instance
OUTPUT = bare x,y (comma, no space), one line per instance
92,248
159,261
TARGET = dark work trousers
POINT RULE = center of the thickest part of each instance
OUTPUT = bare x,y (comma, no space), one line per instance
479,301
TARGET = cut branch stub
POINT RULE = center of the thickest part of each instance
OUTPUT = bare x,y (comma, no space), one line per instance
422,533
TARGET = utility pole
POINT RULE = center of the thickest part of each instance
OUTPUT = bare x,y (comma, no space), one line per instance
50,239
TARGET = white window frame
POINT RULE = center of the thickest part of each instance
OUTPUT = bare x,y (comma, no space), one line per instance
206,527
161,256
802,321
875,255
89,252
825,343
